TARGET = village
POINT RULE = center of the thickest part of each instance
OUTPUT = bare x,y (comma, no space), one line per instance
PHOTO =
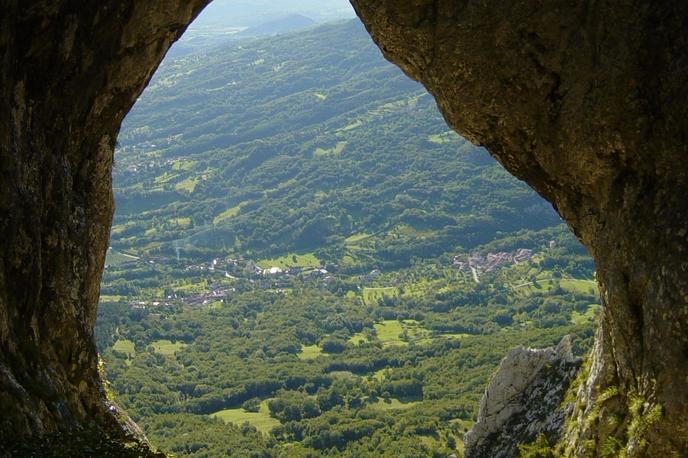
479,264
224,277
226,274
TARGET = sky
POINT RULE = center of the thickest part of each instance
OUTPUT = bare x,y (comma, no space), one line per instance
246,13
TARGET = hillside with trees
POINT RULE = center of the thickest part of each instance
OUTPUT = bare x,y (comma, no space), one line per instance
305,261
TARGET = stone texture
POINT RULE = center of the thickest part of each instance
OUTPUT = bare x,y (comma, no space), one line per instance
523,400
70,72
586,102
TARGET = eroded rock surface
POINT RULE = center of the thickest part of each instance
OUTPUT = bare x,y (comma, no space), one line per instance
523,400
588,103
70,72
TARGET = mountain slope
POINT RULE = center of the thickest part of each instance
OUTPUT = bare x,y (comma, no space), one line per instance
296,143
278,171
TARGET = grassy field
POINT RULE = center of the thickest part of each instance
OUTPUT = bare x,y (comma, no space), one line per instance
337,149
290,260
454,336
125,346
190,288
416,332
391,404
348,375
230,212
580,286
444,137
394,332
380,374
355,239
372,295
587,317
262,420
544,282
115,257
309,352
166,347
358,338
391,332
183,164
187,185
165,177
181,222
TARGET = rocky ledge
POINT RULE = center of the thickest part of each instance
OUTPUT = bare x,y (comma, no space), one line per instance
523,400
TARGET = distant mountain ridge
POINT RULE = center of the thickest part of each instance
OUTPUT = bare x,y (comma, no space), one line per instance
287,23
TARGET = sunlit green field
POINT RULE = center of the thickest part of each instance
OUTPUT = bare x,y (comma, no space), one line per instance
188,185
115,257
230,212
372,295
125,346
335,150
290,260
262,420
356,238
588,316
358,338
580,286
166,347
309,352
391,404
394,332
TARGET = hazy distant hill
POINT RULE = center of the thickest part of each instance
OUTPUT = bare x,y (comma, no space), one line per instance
288,23
296,143
224,21
250,13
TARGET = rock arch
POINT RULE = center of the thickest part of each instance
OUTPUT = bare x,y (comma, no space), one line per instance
586,101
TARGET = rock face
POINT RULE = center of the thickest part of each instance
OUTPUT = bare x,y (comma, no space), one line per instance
70,72
587,103
522,401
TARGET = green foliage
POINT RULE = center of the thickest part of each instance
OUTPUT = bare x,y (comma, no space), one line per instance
253,412
538,449
299,153
198,436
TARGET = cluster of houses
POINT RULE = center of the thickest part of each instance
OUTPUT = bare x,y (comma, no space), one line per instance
489,262
214,293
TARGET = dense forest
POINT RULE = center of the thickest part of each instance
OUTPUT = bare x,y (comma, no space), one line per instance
306,262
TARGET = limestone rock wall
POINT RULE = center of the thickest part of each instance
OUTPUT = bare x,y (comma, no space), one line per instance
70,72
523,400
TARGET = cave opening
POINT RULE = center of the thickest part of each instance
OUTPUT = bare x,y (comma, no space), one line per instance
585,102
190,165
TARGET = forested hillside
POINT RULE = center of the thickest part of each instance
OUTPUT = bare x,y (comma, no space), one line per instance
306,262
296,143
